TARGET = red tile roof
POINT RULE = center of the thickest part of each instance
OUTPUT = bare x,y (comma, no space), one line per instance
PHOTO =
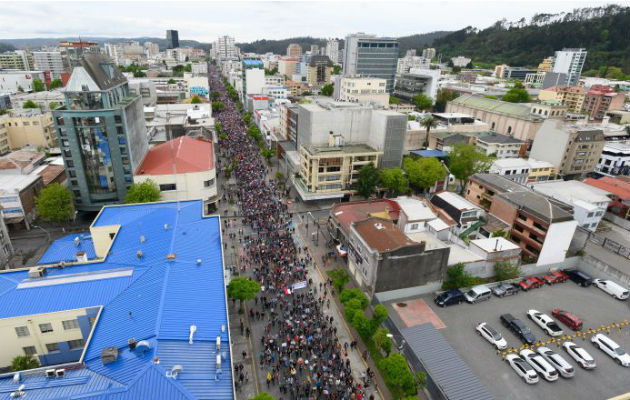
180,155
382,235
347,213
51,173
615,186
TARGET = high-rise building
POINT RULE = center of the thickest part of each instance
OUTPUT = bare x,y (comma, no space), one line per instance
294,50
314,50
18,59
332,50
570,62
546,65
49,61
428,53
318,70
72,52
172,39
368,55
101,132
224,48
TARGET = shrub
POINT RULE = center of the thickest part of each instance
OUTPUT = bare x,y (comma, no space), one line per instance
505,270
362,324
457,277
350,294
398,376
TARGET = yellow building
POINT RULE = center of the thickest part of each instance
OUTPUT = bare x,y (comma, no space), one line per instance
570,96
4,138
29,127
546,65
541,171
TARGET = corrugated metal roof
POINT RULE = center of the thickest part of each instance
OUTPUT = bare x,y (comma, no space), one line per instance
65,249
443,364
158,302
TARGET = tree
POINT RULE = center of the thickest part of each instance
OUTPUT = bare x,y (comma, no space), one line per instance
38,85
517,95
336,69
457,277
398,376
428,122
327,90
55,83
21,363
423,172
188,68
30,104
215,95
267,154
52,105
383,341
422,102
362,324
394,179
247,117
466,160
504,270
55,203
394,100
263,396
444,96
144,192
368,180
217,106
243,289
196,100
340,278
171,81
379,315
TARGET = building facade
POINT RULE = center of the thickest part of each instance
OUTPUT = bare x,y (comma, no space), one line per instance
570,62
172,39
49,61
601,99
417,81
30,127
364,90
102,133
368,55
615,159
294,50
570,96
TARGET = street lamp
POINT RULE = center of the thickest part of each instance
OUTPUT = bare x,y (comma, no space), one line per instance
402,342
45,231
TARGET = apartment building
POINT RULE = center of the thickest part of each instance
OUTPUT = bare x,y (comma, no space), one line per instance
575,150
546,65
364,90
49,61
500,146
19,81
410,61
318,71
619,193
19,59
523,171
287,66
368,55
615,159
332,50
29,127
601,99
417,81
46,100
294,50
466,215
570,62
571,96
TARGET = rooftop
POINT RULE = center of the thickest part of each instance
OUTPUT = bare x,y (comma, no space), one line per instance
23,160
615,186
457,201
499,139
13,184
178,156
498,182
494,244
347,213
429,153
537,204
514,110
350,148
148,298
415,209
571,191
381,235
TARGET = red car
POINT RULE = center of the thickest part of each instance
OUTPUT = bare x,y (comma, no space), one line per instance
559,275
567,318
532,282
549,279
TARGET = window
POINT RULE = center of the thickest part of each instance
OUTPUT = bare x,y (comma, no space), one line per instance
590,215
414,227
72,173
509,130
70,324
29,350
51,347
168,186
208,183
46,328
117,119
70,163
22,331
75,344
92,320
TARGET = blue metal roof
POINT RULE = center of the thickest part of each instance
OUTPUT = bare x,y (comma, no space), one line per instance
65,249
429,153
148,298
252,62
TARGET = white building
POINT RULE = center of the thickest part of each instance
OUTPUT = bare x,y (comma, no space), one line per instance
501,146
183,168
49,61
414,214
6,248
364,90
522,170
16,81
589,203
615,159
224,48
460,61
332,50
428,53
199,68
407,62
197,85
570,62
43,99
145,88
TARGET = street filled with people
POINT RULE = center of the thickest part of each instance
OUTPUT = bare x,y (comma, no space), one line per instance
296,348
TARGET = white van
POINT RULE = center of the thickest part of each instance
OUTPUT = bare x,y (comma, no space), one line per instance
477,294
612,288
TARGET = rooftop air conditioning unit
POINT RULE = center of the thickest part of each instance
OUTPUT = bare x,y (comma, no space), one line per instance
81,256
36,272
109,355
61,372
50,373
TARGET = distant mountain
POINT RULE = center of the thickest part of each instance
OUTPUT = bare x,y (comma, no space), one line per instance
603,31
420,41
6,47
36,43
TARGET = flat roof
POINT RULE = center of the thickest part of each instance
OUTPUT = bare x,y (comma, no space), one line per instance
494,244
347,213
429,153
616,186
351,148
457,201
13,184
149,298
415,209
500,139
572,191
498,182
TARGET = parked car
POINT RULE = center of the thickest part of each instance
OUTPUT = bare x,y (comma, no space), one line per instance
519,328
579,277
491,335
557,361
450,297
559,275
531,283
504,289
549,279
545,322
612,288
567,318
610,347
580,355
477,294
541,365
522,368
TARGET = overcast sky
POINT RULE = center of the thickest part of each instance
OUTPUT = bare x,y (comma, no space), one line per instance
248,21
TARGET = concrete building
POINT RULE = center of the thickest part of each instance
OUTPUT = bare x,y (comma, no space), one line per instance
102,133
172,39
294,50
414,214
169,121
496,249
46,100
523,171
546,65
253,77
449,125
224,48
510,119
332,51
19,59
183,169
429,53
29,127
364,90
500,146
570,62
408,62
549,109
588,202
144,88
537,224
619,194
19,81
466,215
318,71
535,79
506,72
417,81
614,160
5,101
368,55
382,258
343,215
570,96
460,61
601,99
4,138
17,198
49,61
575,150
6,247
107,316
286,66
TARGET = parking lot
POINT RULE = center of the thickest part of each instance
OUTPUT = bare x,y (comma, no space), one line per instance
592,305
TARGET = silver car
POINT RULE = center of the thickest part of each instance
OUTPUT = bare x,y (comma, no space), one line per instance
557,361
